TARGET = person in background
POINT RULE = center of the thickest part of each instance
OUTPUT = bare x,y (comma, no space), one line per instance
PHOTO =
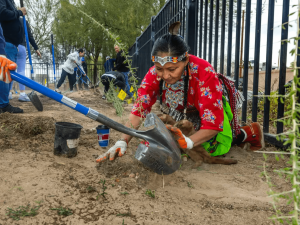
83,78
123,68
12,32
109,64
115,77
68,69
21,60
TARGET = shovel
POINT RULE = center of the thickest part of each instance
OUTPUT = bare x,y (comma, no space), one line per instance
32,96
82,72
162,155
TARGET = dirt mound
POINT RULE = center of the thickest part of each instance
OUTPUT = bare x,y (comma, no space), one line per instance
25,126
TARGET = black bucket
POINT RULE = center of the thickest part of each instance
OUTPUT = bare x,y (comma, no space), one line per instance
66,139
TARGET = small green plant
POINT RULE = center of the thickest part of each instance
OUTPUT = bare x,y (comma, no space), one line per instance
190,185
90,189
123,222
124,193
150,193
103,188
112,97
22,211
63,211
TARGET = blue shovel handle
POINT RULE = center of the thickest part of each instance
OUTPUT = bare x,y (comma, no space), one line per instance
89,112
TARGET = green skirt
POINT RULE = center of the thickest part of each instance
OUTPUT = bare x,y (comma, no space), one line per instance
221,143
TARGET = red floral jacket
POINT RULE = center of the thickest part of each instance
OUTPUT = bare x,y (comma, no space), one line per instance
205,93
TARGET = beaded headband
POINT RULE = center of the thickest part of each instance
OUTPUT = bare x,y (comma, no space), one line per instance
163,60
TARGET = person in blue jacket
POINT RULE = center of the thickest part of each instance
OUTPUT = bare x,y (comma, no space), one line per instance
5,64
12,32
109,64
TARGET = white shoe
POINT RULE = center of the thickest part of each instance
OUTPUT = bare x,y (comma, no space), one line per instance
10,97
24,98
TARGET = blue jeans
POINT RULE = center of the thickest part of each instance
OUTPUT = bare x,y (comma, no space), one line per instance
127,84
11,53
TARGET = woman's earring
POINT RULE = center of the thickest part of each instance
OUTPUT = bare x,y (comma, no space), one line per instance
158,78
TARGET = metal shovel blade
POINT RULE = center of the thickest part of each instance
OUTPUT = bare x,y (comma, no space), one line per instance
162,155
35,101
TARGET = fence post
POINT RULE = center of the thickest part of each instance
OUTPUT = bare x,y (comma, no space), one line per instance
136,56
47,75
191,26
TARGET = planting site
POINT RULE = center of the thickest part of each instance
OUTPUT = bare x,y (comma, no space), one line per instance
38,187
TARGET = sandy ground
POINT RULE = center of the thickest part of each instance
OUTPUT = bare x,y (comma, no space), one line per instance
31,174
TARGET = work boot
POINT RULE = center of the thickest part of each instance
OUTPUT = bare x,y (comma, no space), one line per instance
11,109
255,136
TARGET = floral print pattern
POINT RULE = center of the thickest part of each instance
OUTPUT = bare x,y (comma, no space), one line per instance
193,68
206,92
219,88
219,104
208,116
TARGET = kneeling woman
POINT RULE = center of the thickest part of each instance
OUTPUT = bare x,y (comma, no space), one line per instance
189,88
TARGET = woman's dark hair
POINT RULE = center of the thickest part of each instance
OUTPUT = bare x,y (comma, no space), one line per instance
172,44
80,50
175,46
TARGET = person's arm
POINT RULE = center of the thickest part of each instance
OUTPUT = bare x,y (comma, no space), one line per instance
202,136
7,14
134,122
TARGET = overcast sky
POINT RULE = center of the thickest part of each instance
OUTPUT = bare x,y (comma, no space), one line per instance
277,31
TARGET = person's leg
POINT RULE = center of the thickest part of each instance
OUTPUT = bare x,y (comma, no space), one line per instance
11,53
252,134
127,84
74,78
21,62
71,81
85,84
62,78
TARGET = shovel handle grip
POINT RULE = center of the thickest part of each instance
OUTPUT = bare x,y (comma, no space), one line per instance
74,105
22,3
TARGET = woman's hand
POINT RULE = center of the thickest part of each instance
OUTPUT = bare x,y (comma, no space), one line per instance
118,149
183,141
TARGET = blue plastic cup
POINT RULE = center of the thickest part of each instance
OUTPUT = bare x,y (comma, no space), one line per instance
103,135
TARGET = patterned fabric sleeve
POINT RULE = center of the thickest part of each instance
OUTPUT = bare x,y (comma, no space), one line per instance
210,105
147,94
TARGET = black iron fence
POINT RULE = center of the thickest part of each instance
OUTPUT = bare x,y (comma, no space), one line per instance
213,31
44,73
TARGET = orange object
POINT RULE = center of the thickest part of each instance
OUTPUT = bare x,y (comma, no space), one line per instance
5,66
178,136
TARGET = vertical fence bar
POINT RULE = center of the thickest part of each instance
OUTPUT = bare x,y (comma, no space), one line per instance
237,42
201,27
282,64
256,59
190,28
268,65
211,13
47,76
229,47
196,26
222,36
184,19
246,59
216,35
205,29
